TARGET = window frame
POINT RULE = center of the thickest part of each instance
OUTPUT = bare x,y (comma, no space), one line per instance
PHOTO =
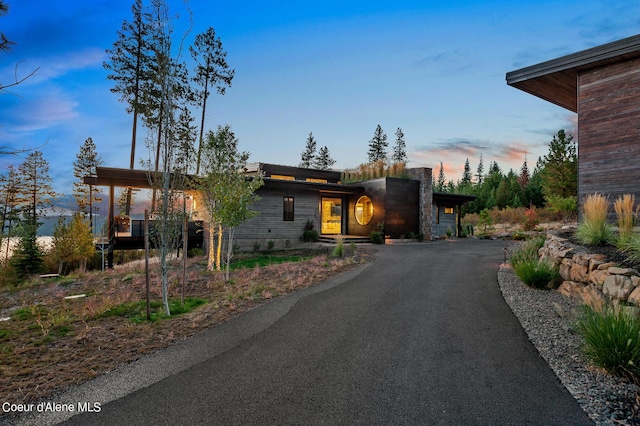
288,209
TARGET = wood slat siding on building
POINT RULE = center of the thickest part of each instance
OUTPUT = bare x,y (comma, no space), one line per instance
269,223
608,130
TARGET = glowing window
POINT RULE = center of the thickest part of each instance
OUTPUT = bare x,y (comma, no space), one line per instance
448,210
364,210
282,177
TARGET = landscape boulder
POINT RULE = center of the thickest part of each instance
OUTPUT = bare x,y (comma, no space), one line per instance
617,287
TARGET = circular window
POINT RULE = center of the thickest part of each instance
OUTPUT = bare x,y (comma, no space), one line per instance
364,210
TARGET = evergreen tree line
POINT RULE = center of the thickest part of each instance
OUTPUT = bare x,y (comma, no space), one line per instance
153,81
377,153
552,183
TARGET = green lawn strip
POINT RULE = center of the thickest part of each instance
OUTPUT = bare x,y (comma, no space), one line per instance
137,311
265,260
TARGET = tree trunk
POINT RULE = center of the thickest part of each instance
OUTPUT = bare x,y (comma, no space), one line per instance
231,230
219,249
211,249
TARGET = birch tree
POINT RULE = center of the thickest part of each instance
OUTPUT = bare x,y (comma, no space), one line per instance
227,191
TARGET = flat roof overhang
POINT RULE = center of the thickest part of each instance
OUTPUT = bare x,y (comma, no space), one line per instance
325,188
112,176
556,80
445,198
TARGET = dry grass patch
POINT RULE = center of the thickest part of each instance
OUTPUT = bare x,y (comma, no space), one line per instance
51,343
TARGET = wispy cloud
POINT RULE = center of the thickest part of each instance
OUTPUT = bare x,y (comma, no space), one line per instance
41,113
446,63
454,152
73,61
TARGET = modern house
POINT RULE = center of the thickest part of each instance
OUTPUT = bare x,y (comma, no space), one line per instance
601,85
294,198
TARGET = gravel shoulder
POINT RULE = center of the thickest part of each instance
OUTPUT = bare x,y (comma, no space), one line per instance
547,317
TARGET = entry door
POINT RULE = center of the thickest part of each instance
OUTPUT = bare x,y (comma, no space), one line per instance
331,214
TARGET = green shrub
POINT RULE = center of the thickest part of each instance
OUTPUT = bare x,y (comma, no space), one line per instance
338,250
537,273
270,245
611,340
594,229
194,252
525,251
310,236
377,237
529,268
630,246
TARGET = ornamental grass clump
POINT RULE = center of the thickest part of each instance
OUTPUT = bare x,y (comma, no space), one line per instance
594,229
612,340
624,207
529,268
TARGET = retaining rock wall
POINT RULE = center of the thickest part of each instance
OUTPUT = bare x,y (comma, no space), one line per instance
591,278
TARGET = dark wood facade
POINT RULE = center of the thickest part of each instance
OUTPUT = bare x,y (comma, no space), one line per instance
609,130
396,203
602,85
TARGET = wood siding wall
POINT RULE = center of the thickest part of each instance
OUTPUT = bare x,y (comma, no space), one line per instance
609,131
269,223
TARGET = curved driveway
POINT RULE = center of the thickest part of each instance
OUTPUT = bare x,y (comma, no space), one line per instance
420,336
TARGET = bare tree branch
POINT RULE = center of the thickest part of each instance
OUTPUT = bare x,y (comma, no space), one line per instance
17,79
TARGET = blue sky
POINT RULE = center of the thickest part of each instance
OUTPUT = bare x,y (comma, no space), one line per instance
436,69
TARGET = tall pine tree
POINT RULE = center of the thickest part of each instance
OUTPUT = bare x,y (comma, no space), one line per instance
87,159
560,171
307,158
324,161
399,148
378,146
211,70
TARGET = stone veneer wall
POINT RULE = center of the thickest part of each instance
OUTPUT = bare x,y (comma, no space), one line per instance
425,177
591,278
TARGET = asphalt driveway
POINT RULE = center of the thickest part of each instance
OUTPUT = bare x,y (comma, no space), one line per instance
422,335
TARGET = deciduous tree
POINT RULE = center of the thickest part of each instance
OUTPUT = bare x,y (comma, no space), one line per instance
226,189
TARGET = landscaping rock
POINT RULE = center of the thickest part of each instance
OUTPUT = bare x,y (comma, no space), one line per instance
598,276
571,289
617,287
634,297
627,272
605,266
593,297
579,272
565,269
